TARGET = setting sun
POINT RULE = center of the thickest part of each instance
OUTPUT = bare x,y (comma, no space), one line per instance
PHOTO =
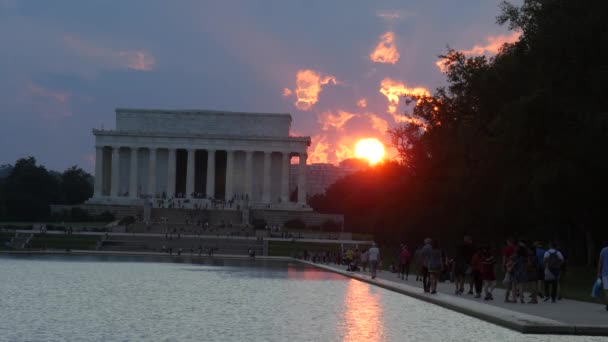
371,149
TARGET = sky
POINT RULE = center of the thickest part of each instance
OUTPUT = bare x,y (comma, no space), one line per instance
338,67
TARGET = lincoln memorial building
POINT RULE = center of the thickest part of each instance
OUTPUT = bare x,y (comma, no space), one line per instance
199,157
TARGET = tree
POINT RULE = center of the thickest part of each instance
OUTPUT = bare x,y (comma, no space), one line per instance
29,189
76,185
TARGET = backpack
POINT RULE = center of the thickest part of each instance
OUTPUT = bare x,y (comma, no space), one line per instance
554,262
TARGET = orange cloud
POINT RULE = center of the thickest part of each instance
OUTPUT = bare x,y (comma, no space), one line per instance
400,118
492,47
308,86
337,121
318,152
287,92
130,59
393,90
362,103
378,123
386,50
344,151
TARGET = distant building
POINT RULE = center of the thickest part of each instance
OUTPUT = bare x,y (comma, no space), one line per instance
320,176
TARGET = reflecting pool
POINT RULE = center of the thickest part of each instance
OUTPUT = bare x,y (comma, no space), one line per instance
90,298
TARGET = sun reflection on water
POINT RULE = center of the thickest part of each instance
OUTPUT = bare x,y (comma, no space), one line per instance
362,317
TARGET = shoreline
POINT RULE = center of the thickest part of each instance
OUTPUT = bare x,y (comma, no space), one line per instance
518,321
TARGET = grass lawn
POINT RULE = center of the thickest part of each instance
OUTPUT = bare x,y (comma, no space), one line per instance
48,241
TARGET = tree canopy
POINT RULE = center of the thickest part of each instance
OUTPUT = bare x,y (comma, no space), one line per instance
29,188
512,145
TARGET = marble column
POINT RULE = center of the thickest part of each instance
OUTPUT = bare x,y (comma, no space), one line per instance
115,171
133,173
302,179
210,191
190,174
229,174
98,171
248,173
266,185
152,173
171,162
285,178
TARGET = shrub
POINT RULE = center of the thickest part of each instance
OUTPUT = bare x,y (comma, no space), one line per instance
127,220
259,224
295,224
331,225
79,215
105,216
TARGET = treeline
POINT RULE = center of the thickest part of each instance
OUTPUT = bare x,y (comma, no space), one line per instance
513,145
27,189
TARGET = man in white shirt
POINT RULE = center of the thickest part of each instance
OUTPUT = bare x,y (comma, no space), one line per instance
553,260
373,256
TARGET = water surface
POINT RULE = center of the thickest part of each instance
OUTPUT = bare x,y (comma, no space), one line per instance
80,298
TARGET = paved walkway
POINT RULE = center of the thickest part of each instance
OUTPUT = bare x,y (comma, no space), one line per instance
563,317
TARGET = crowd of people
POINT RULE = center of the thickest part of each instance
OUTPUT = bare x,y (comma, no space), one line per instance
532,271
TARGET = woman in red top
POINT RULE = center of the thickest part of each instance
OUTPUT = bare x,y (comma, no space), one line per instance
488,273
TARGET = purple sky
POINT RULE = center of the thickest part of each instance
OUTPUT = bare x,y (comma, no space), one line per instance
66,65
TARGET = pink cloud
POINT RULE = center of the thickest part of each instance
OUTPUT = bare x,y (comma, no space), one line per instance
51,104
287,92
394,90
491,47
130,59
337,120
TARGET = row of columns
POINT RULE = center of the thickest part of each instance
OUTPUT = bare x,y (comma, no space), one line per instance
190,171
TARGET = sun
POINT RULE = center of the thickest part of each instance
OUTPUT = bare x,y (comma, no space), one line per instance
371,149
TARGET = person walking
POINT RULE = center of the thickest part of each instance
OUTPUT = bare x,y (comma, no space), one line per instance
435,266
364,260
552,260
507,264
466,253
520,271
602,271
476,264
488,273
425,255
404,259
540,272
374,257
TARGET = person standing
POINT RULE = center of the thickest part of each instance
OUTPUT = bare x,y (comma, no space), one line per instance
602,271
552,260
404,259
374,257
426,253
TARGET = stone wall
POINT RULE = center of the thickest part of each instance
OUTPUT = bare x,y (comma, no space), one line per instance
119,211
203,122
310,218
